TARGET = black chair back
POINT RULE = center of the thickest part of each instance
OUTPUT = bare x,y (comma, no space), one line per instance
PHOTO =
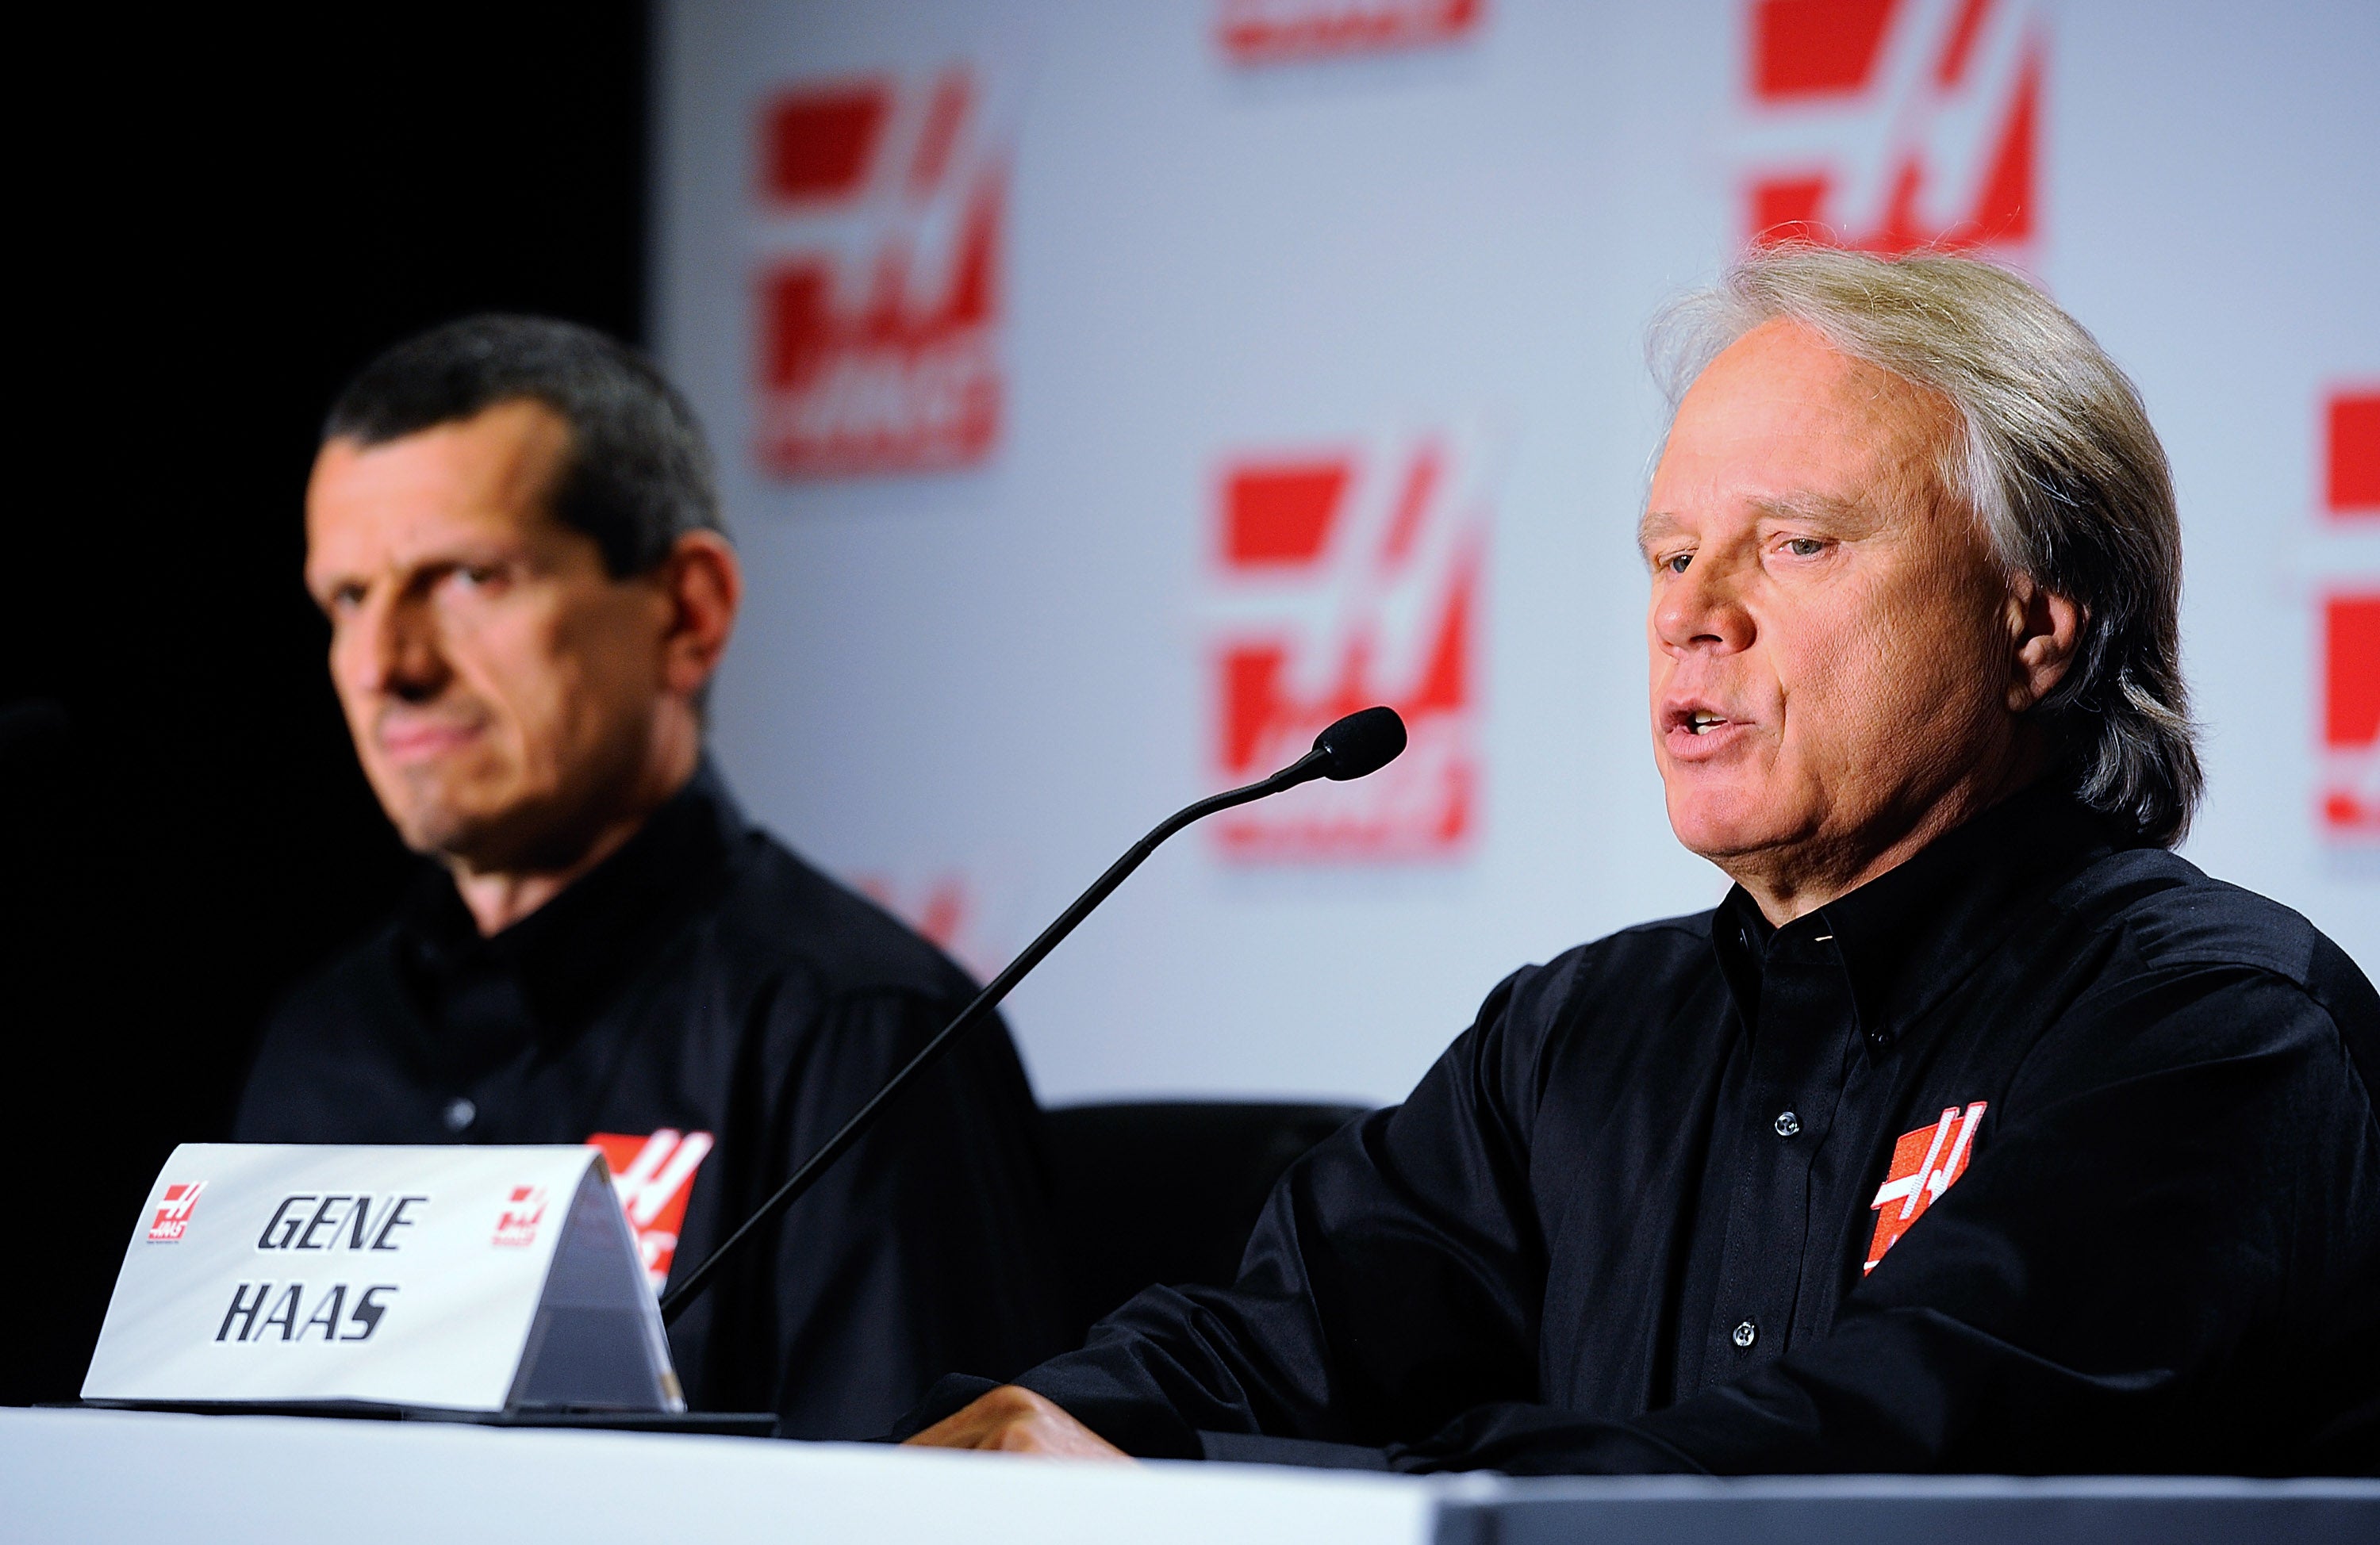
1167,1191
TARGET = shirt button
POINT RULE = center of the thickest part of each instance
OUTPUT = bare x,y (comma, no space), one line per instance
1787,1124
1745,1333
460,1113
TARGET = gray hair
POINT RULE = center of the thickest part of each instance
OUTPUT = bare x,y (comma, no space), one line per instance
2057,459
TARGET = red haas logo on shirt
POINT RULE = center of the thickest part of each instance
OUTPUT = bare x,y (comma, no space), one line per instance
1348,578
1925,1164
2351,627
653,1177
172,1217
878,292
1889,124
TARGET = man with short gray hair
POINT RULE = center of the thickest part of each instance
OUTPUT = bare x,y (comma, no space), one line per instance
1972,1130
512,530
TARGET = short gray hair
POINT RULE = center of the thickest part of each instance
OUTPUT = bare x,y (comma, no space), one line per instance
2057,459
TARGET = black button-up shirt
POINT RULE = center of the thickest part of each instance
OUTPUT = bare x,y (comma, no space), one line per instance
703,983
2035,1153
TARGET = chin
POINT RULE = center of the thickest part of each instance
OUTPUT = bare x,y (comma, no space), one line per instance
449,823
1721,822
437,830
439,803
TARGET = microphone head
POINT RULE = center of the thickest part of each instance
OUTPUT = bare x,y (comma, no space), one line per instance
1361,744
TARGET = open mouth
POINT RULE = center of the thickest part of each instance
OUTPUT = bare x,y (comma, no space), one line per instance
1700,728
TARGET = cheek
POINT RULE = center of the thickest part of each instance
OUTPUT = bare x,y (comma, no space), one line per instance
1952,628
599,675
351,675
1899,682
620,642
1846,672
341,657
513,664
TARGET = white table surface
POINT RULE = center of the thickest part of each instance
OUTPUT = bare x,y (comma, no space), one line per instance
101,1477
107,1476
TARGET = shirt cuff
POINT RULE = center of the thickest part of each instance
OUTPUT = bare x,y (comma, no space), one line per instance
951,1394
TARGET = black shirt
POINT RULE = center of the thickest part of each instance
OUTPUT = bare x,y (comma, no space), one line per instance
707,1004
2103,1126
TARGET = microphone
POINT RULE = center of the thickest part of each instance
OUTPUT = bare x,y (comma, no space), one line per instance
1355,746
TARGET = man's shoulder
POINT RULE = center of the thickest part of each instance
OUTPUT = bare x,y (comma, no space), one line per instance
2171,924
2170,914
1677,942
1626,973
780,914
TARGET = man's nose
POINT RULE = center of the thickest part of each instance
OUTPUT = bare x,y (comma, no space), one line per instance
1702,609
393,651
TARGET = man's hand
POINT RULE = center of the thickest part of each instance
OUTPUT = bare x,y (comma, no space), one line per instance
1013,1420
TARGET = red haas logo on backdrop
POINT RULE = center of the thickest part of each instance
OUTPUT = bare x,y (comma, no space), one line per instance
879,296
2350,626
1889,124
946,907
939,910
1283,31
1346,579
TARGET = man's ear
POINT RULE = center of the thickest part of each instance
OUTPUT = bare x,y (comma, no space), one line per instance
2045,629
704,584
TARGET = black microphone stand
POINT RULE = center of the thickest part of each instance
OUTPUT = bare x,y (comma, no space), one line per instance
1317,763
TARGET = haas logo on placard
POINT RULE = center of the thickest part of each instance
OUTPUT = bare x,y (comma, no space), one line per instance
2351,622
1889,124
172,1217
653,1177
517,1221
1345,578
879,296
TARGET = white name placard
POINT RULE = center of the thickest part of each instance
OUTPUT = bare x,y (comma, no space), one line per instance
472,1278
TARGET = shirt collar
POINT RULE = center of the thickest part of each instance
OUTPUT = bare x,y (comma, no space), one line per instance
1909,936
568,956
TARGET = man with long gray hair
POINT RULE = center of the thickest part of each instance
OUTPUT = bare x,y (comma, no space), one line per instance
1972,1130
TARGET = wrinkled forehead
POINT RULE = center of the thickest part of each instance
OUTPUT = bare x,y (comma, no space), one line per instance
487,477
1782,420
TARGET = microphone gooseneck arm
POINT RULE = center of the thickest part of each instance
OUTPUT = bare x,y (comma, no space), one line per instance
1321,762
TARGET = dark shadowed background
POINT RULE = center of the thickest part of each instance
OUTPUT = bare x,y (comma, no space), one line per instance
248,210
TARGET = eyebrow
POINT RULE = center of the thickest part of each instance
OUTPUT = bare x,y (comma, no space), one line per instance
1813,506
1651,523
1825,507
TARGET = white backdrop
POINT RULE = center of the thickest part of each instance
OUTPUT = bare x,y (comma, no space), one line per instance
1104,391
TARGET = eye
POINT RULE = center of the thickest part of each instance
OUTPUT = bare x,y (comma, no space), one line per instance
1676,563
1805,547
